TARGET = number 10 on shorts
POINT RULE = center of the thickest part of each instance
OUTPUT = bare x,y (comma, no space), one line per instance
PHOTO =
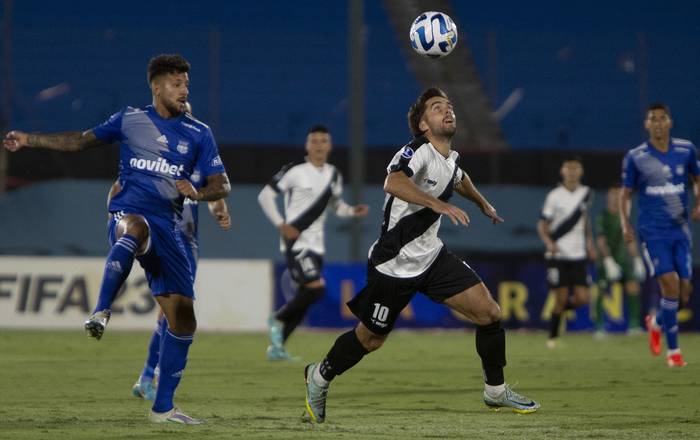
380,312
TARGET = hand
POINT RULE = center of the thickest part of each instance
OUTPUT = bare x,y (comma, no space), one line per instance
490,212
15,140
613,271
640,272
454,213
187,189
289,232
591,252
360,210
628,233
695,215
224,220
551,248
685,297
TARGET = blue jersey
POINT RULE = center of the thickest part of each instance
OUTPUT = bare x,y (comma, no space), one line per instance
154,153
662,181
190,217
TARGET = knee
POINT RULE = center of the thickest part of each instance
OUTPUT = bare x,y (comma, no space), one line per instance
317,289
489,315
374,342
370,341
185,321
136,226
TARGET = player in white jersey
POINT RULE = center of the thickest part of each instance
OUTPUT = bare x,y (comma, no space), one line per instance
409,257
309,188
565,230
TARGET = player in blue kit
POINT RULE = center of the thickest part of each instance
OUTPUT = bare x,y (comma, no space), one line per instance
659,169
161,145
145,386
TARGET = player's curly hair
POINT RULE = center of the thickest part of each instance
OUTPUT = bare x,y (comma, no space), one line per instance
415,112
166,63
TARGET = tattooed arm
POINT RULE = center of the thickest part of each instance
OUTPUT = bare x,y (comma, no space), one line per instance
66,141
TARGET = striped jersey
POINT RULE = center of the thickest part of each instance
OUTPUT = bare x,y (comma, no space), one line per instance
409,243
308,190
662,182
567,212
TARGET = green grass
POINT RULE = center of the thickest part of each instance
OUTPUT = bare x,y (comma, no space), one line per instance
60,385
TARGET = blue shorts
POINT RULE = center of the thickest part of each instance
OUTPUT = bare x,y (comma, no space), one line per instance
664,256
169,261
192,251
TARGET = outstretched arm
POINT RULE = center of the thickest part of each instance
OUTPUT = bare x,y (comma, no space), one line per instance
67,141
217,187
399,185
467,189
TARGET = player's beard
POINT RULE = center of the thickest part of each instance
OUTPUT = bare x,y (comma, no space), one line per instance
447,132
175,108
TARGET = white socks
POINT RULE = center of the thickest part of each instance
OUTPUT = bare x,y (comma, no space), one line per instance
494,390
316,377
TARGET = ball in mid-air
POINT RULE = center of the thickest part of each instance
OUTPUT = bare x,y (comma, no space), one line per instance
433,34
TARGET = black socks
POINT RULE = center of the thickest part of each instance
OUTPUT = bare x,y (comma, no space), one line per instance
491,346
292,313
345,353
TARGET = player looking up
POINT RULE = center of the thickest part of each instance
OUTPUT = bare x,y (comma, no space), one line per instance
409,257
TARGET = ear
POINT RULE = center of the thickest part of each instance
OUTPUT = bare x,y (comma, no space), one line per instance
422,125
155,87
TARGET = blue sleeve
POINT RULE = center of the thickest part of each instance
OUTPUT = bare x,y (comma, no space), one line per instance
693,165
629,172
110,130
208,159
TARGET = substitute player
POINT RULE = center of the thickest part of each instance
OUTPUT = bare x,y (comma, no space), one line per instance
618,261
565,230
660,169
309,188
409,257
161,145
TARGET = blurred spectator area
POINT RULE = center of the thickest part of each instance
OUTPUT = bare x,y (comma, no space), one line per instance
559,77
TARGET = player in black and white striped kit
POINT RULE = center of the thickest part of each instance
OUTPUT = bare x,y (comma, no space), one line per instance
409,257
565,230
309,187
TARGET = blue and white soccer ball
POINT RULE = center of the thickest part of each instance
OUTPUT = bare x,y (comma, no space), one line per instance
433,34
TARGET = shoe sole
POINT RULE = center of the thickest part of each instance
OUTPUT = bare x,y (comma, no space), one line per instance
310,417
94,330
494,408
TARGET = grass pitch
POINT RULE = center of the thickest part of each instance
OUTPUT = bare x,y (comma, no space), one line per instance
61,385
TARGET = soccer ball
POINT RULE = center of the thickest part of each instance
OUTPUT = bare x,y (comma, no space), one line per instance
433,34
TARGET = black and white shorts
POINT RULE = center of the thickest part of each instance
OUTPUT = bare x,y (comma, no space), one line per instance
380,302
304,266
567,273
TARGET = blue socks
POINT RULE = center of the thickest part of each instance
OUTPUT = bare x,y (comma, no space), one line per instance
154,350
173,358
117,268
669,312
